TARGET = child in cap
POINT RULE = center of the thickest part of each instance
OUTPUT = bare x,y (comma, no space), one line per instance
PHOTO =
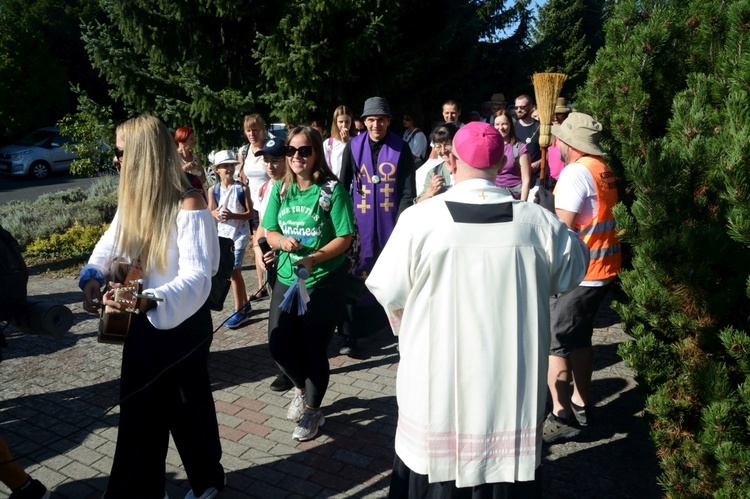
230,203
275,166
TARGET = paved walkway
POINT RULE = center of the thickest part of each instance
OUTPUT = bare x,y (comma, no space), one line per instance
54,396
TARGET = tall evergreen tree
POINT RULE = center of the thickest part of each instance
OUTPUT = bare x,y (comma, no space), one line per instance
566,37
40,54
207,63
190,64
671,87
504,55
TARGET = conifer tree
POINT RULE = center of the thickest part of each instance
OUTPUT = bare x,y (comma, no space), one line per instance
671,87
40,54
208,62
566,38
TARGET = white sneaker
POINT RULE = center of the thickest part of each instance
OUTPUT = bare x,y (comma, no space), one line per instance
297,407
308,426
210,493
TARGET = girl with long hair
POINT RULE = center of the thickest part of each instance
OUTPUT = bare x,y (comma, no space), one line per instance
164,228
342,129
515,175
309,219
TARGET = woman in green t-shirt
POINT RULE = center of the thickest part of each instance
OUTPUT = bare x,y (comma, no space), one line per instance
310,220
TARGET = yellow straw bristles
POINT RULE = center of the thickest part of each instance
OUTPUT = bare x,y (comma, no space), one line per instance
547,87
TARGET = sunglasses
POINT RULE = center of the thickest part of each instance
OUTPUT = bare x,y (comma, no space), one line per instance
521,107
119,152
304,151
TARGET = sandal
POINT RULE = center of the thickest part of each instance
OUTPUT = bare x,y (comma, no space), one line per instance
261,294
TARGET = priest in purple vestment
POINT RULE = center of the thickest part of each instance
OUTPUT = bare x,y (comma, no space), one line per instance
378,169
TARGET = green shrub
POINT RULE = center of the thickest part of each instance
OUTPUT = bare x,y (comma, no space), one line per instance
57,212
77,240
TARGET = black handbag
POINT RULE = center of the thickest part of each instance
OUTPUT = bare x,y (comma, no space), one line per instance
221,282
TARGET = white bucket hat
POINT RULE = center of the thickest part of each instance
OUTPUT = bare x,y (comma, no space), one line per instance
225,157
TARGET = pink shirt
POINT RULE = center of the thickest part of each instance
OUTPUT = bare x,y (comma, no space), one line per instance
555,161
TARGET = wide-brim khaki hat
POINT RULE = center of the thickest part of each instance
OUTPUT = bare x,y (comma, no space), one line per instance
498,99
561,106
580,131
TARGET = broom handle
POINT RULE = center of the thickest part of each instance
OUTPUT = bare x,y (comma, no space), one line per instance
543,165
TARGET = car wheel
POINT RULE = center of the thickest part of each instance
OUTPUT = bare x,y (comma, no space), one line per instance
39,170
211,177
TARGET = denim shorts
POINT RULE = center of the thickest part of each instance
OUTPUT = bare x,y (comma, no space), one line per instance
239,256
572,318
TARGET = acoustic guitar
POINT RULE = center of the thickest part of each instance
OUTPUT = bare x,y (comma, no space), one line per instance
114,324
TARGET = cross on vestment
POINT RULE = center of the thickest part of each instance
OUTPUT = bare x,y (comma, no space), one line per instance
386,205
363,204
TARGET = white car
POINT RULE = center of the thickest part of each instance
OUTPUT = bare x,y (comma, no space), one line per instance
37,154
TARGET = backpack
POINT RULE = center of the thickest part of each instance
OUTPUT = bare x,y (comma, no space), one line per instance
353,252
14,276
217,195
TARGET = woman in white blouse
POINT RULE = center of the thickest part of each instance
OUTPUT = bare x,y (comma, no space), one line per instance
252,172
342,129
163,227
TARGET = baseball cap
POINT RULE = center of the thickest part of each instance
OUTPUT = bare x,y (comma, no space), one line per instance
479,145
272,147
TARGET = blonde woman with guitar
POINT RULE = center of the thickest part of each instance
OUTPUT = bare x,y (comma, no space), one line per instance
164,229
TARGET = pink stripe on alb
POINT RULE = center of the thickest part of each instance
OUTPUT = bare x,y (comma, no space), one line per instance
466,446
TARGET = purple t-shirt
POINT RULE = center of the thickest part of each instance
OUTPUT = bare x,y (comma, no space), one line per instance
510,174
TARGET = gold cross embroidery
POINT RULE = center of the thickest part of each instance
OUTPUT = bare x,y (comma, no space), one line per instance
363,204
483,196
386,205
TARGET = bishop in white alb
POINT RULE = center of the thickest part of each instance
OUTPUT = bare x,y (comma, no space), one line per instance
465,279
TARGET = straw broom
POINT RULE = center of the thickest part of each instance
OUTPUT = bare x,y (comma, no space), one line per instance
547,87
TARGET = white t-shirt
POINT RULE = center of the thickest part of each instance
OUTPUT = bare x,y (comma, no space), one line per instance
575,192
263,198
334,152
254,171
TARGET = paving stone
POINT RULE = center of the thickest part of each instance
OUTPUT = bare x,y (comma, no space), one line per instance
54,393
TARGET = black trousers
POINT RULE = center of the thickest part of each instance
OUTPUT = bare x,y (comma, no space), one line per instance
405,484
299,343
178,401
